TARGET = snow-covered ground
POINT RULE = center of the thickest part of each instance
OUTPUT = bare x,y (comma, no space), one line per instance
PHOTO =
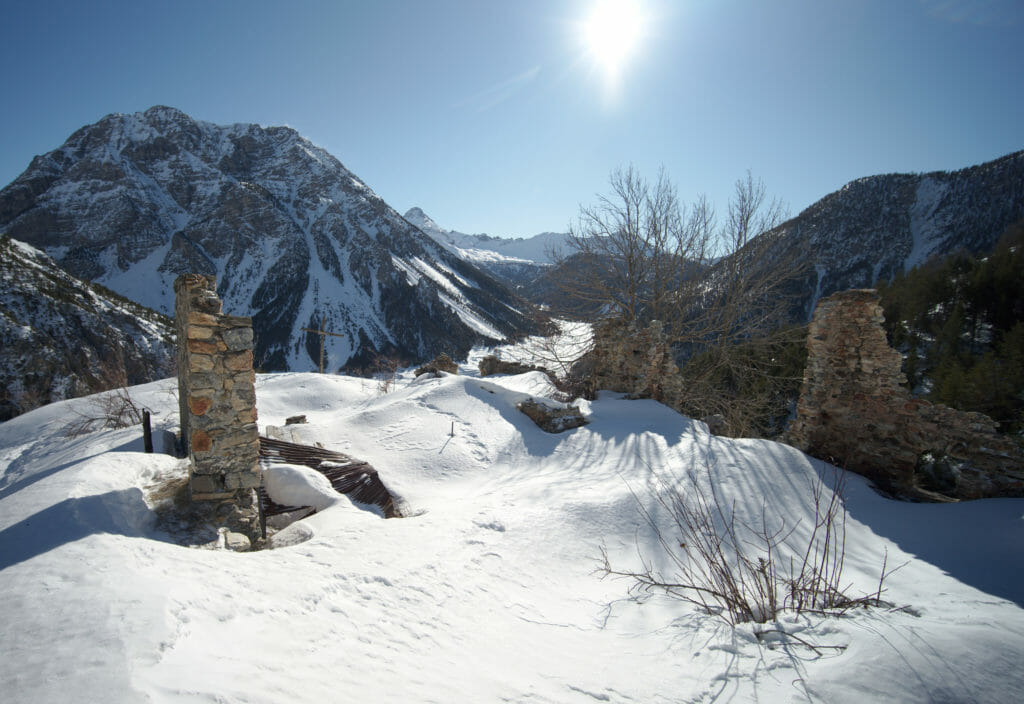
487,591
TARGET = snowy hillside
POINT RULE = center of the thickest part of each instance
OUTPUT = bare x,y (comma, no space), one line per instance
293,237
487,591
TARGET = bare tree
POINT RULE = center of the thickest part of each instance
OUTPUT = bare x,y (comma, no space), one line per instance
639,255
629,250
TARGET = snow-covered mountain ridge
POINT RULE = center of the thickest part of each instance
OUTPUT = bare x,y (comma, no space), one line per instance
293,237
878,226
516,259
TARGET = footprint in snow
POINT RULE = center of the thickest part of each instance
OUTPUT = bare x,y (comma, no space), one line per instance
496,526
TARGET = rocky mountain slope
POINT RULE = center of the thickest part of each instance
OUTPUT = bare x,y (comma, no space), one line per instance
63,337
877,226
294,238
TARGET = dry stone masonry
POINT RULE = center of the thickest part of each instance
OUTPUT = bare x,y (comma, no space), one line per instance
217,402
854,412
635,360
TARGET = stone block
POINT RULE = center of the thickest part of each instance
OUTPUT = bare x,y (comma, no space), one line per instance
199,332
236,542
201,441
207,484
242,480
199,405
237,339
205,319
202,347
239,361
248,415
201,363
235,438
213,496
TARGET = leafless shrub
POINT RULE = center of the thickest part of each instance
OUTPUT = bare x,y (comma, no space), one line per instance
385,371
736,570
111,409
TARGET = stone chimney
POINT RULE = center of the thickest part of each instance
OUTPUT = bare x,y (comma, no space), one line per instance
217,403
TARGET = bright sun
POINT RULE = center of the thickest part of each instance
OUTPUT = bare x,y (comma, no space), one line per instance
612,32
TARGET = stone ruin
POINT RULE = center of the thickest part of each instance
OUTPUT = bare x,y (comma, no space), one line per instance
635,360
854,412
217,402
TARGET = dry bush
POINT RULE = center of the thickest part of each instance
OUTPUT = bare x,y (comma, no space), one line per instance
385,371
736,570
111,409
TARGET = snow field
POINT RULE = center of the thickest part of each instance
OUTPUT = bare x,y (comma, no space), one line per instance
487,591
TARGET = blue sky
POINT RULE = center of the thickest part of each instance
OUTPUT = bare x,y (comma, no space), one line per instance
498,117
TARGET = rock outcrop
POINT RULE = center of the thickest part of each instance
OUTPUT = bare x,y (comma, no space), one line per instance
491,365
854,412
440,363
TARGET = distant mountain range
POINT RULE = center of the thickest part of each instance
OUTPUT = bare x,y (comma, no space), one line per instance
516,260
294,238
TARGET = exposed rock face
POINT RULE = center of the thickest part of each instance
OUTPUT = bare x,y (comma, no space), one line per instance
63,337
217,400
292,236
853,412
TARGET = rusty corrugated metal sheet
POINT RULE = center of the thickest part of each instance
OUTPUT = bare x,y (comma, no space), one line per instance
354,478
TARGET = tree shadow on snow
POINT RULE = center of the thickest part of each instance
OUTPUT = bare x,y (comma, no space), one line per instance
121,512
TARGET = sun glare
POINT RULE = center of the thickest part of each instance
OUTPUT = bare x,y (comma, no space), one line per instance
611,33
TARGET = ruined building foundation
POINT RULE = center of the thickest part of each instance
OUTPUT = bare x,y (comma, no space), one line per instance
854,412
217,402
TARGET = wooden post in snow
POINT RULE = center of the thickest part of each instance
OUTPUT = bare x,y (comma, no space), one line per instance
323,336
147,433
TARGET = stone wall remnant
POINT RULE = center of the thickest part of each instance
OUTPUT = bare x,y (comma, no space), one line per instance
854,412
635,360
440,363
491,365
217,403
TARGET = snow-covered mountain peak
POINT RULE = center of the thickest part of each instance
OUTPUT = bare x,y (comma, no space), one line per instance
417,217
292,235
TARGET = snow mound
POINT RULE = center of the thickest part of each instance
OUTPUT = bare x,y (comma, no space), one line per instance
297,485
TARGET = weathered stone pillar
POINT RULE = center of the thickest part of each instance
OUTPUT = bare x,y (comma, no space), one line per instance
217,402
854,412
